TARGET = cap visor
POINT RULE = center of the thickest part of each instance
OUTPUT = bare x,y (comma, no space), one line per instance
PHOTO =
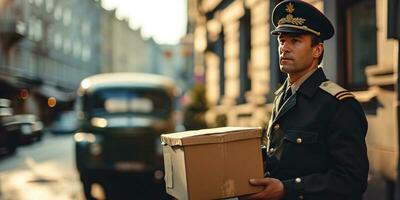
279,30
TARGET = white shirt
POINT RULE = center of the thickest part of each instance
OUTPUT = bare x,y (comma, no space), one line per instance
296,85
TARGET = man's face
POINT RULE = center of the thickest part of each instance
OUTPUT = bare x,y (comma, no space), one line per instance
296,56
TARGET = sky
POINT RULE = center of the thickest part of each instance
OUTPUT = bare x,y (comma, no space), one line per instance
164,20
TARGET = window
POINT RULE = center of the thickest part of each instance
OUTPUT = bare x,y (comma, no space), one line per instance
277,77
85,29
21,27
244,57
86,53
360,42
123,100
58,13
31,28
38,3
77,49
67,17
57,41
67,45
34,29
38,30
221,52
49,5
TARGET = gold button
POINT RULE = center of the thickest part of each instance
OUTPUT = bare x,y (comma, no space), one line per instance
276,126
299,140
301,197
297,180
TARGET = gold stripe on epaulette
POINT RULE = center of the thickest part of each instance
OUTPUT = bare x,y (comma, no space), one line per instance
342,94
345,96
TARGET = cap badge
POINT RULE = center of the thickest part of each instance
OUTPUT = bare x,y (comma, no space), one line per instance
289,17
290,8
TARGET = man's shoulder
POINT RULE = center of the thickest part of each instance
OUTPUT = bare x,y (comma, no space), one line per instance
335,90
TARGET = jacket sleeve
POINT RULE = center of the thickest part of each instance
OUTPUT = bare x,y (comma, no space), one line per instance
347,149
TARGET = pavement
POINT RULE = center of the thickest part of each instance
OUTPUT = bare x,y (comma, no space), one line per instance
44,170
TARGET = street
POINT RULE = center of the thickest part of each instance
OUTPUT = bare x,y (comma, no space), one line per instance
44,170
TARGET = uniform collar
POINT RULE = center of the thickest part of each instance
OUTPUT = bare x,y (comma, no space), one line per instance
281,89
311,84
296,85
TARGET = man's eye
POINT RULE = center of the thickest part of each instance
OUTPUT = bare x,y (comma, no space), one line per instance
295,40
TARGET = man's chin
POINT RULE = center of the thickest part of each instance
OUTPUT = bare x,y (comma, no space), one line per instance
285,69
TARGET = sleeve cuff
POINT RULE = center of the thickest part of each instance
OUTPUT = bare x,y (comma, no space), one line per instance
293,188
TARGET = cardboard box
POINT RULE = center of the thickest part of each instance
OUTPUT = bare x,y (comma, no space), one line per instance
212,163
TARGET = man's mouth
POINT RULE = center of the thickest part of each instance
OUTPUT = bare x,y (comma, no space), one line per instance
285,59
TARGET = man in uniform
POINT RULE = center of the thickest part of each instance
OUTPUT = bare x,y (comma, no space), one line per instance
315,140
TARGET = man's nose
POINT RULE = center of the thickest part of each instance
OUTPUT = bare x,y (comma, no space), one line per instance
285,47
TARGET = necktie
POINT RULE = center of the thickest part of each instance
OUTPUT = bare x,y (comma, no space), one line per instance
288,93
286,96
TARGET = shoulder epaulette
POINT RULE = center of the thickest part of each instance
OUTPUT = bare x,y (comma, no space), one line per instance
336,90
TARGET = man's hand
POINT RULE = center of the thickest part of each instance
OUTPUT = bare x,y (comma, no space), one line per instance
273,189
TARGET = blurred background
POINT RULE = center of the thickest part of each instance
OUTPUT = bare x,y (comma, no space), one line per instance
224,66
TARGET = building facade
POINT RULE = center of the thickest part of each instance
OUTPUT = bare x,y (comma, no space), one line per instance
123,49
233,48
239,59
51,46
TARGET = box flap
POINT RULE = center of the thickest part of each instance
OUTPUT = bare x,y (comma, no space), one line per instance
213,135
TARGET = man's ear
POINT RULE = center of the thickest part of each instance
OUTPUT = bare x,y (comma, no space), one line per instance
317,50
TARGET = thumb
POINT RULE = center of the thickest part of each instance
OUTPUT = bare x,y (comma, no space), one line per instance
259,181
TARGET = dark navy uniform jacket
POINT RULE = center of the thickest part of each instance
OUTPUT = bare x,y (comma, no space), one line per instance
316,142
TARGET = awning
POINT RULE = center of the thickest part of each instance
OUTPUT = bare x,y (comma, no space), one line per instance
13,81
59,94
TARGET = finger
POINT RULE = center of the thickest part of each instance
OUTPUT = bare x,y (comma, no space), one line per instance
260,181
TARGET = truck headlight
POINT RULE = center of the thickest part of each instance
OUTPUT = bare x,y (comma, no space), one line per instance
85,137
99,122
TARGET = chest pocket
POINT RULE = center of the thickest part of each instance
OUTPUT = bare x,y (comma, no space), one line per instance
303,149
301,137
296,142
